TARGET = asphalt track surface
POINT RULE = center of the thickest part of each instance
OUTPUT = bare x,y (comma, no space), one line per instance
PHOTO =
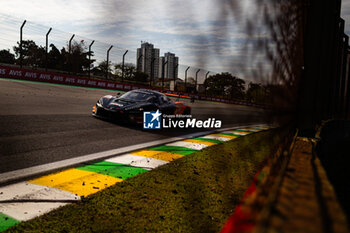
43,123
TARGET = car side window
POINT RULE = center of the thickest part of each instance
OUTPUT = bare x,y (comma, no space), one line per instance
167,98
152,99
163,99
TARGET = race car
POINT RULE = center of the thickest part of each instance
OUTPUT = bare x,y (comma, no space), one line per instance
130,106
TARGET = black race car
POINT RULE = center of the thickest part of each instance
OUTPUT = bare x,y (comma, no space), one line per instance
130,106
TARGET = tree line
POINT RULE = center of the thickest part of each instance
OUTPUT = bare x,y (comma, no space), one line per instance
76,60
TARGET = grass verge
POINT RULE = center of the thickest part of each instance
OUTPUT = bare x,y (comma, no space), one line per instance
196,193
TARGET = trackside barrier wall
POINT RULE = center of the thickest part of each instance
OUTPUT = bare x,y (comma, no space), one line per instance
49,77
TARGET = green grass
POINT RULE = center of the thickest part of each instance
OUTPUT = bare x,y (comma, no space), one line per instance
196,193
120,171
6,222
174,149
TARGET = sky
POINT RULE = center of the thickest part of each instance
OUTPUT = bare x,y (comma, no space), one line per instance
205,34
345,14
194,30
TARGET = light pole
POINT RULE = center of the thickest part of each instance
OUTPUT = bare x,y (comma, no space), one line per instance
163,72
107,65
92,42
20,43
186,77
196,79
123,65
47,47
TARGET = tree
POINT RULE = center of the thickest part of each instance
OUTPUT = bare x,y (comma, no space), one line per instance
191,80
32,54
129,70
7,57
55,59
140,77
77,59
225,85
255,92
101,69
190,85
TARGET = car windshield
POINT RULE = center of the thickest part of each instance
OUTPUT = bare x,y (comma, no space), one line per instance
137,96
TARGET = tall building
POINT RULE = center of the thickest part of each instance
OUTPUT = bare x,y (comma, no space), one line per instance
170,68
147,60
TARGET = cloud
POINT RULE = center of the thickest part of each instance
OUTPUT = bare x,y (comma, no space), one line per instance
345,14
207,33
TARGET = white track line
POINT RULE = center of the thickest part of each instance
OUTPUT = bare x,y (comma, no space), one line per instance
137,161
24,201
251,130
190,145
217,138
20,206
237,133
40,169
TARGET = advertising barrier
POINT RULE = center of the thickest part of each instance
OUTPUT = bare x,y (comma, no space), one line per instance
50,77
